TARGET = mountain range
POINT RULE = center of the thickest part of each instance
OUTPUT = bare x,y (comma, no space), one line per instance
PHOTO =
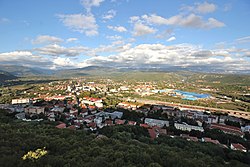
9,72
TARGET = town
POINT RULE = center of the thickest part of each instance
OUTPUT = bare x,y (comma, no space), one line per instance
91,105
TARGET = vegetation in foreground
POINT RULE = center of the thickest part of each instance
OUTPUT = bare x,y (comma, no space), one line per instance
117,146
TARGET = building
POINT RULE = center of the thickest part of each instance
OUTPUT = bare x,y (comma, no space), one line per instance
93,102
186,127
156,122
246,128
238,147
155,131
34,110
21,101
20,115
209,140
228,129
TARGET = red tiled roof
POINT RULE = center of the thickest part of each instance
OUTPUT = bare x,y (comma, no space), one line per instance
238,146
131,122
207,139
92,99
92,107
61,126
144,125
227,129
108,122
152,133
73,127
193,138
92,124
119,122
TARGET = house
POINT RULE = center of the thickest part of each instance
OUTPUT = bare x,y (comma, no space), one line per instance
127,105
189,138
209,140
108,122
199,122
116,114
144,125
112,115
61,126
58,109
51,117
227,129
73,110
119,122
245,129
92,126
131,123
72,127
34,110
155,131
156,122
84,113
20,115
238,147
15,108
93,101
98,121
186,127
152,134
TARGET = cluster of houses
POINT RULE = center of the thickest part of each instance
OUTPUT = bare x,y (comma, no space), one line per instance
88,114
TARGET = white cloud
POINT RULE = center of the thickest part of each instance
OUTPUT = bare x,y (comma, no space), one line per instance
175,56
171,39
88,4
117,28
109,15
205,7
41,39
114,37
134,19
141,29
72,39
190,20
57,50
81,23
243,39
202,8
24,58
61,61
165,34
155,19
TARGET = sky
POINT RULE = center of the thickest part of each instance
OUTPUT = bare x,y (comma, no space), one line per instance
58,34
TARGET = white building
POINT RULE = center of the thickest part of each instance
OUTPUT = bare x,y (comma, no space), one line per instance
186,127
245,129
156,122
34,110
21,101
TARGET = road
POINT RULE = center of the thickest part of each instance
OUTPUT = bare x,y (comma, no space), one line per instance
236,113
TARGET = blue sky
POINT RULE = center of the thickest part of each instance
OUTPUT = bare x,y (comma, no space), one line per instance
126,33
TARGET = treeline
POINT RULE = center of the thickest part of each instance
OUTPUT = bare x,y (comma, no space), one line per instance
116,146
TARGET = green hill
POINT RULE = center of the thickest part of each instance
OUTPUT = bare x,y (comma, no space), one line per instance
4,76
23,71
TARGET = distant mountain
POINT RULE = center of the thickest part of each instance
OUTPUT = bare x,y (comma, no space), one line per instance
87,71
24,71
4,76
